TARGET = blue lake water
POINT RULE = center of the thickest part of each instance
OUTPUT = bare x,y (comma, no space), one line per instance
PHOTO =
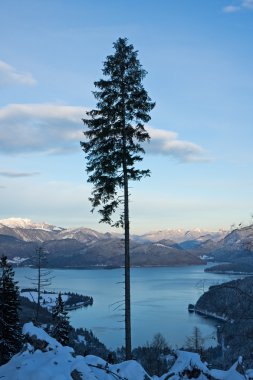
160,297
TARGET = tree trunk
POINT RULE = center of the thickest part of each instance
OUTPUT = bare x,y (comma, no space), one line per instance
127,257
39,285
127,273
128,344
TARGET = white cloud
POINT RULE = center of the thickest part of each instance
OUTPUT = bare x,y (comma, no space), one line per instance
247,4
168,143
244,4
231,9
57,129
9,75
42,128
14,174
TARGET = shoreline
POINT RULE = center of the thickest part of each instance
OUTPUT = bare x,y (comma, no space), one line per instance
211,315
109,267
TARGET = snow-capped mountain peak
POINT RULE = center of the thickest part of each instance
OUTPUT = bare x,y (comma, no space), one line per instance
16,222
180,235
28,224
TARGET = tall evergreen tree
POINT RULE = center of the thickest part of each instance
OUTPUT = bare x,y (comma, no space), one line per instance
61,326
113,145
10,331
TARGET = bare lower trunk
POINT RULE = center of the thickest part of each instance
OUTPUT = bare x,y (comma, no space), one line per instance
128,343
39,250
127,275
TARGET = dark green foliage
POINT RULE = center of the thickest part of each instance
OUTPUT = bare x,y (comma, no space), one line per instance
10,331
61,326
27,311
75,298
155,357
85,343
116,129
232,301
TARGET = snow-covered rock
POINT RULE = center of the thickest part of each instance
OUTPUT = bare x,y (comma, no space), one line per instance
36,333
236,372
187,363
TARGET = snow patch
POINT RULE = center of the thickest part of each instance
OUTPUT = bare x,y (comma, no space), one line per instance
17,260
162,245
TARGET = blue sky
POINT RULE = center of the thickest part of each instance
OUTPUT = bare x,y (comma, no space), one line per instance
199,58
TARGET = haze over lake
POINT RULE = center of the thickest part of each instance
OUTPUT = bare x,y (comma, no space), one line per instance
160,297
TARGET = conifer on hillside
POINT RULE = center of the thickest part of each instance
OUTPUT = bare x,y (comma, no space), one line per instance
10,330
61,326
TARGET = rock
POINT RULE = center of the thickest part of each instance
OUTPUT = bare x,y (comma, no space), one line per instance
191,308
38,344
76,375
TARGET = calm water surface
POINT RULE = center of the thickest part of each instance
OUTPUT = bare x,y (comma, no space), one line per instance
160,297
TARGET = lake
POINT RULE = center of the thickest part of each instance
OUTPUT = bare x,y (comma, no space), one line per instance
160,298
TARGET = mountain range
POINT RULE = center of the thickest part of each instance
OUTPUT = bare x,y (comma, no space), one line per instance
85,247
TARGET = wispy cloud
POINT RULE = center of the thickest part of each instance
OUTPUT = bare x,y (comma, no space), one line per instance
12,174
9,75
42,128
57,129
167,143
231,9
242,5
247,4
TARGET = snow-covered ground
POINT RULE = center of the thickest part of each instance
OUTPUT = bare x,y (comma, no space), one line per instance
56,362
17,260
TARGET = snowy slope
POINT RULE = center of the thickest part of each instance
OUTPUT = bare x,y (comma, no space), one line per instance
26,230
180,235
46,359
57,362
